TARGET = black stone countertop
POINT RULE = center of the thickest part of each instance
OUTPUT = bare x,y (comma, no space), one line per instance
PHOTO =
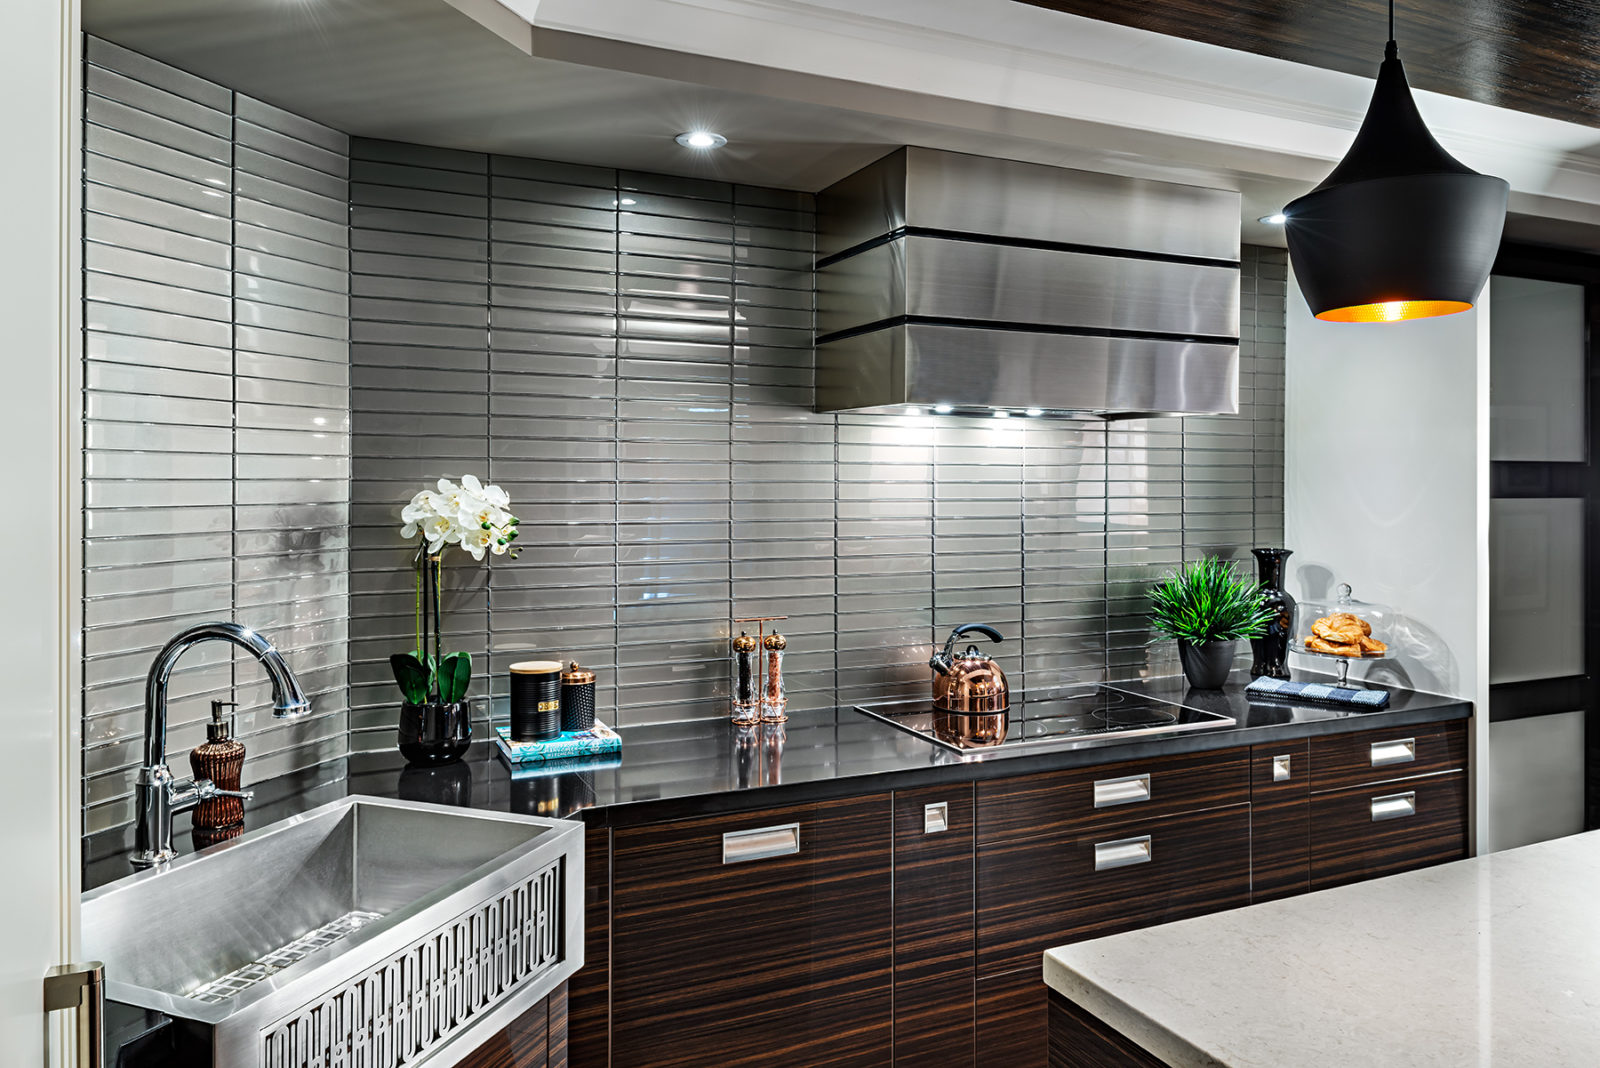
687,769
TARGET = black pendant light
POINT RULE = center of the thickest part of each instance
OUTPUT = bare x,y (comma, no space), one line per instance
1401,229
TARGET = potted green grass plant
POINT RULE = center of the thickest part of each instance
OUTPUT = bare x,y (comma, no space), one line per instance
1209,609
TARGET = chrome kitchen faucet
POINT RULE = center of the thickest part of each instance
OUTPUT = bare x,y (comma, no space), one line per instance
157,794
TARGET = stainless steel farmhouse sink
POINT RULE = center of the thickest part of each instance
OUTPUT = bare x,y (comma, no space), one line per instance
365,932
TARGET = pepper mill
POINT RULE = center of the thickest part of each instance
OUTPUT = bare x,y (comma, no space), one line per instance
746,704
221,759
774,699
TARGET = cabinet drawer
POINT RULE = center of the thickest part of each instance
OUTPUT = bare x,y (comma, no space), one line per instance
754,939
1041,892
1280,820
1378,830
1084,798
1363,757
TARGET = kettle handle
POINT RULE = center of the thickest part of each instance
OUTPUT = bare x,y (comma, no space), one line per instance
968,628
949,643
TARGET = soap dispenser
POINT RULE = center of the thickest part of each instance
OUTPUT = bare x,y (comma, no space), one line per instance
221,759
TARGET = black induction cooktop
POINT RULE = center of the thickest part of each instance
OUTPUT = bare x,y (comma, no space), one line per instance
1057,719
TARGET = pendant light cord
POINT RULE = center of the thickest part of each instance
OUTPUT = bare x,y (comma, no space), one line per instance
1389,50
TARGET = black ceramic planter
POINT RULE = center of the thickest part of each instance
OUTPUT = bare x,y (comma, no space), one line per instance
434,733
1206,666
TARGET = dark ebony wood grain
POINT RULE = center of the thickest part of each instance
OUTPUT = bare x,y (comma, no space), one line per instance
1340,761
1059,802
783,961
933,929
1280,822
1347,845
1080,1040
1040,892
536,1039
589,1018
1011,1019
1540,58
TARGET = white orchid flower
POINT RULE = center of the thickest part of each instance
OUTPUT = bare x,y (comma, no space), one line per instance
470,514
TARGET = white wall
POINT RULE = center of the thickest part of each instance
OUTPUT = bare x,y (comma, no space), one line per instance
1386,488
38,304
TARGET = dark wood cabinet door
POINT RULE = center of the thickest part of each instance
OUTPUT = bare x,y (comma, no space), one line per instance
536,1039
589,1018
1041,892
1363,758
1368,831
1012,1019
933,928
1082,799
1078,1039
1280,820
760,938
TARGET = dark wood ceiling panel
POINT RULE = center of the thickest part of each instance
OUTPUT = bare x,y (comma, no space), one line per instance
1533,56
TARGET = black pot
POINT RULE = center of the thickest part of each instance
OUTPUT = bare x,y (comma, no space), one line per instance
434,733
1206,666
1272,649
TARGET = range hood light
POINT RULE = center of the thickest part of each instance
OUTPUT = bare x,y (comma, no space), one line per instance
943,409
1035,412
1001,413
913,410
1400,229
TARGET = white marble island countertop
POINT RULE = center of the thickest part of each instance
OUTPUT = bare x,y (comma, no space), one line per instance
1490,962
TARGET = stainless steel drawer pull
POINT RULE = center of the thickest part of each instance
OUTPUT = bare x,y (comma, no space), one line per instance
936,817
1122,852
760,843
1280,768
1394,806
1399,751
1128,790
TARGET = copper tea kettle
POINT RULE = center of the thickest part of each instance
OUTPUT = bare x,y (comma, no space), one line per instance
970,683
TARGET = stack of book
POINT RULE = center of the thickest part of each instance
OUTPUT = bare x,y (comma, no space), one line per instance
597,747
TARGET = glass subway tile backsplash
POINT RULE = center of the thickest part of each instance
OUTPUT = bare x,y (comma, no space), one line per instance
289,332
216,443
630,356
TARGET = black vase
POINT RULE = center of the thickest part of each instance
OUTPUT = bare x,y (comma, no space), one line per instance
1272,649
1206,666
434,733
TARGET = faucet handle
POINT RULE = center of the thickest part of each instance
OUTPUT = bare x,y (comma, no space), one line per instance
205,788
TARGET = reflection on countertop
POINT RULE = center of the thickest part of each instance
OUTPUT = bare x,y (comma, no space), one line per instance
682,769
709,765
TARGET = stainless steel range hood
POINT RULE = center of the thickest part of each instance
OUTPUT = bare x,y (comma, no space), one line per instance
946,280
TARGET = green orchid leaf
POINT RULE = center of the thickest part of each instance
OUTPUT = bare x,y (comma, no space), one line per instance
414,679
455,674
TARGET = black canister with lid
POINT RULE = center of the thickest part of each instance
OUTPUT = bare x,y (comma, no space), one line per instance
577,698
535,700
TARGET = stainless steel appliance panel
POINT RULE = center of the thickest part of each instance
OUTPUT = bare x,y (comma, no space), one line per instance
927,188
959,279
930,364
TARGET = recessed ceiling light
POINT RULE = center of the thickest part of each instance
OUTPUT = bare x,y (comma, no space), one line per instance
1001,413
1035,412
702,139
1277,218
943,409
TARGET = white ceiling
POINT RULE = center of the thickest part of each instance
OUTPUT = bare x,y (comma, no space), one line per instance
807,92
